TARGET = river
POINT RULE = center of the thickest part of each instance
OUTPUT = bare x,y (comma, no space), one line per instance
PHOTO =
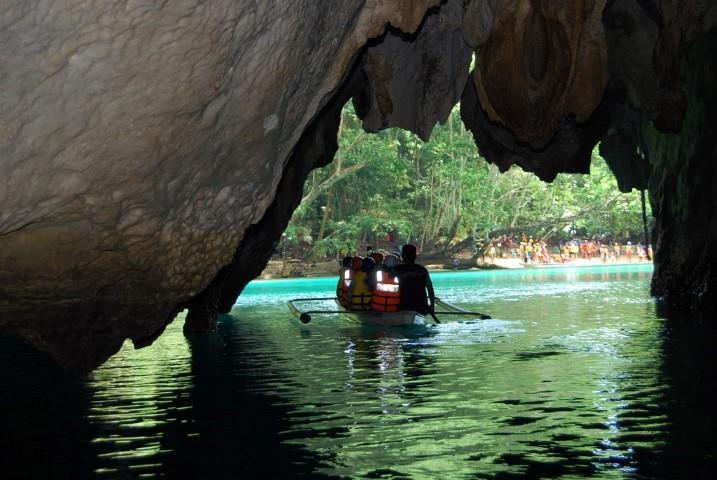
575,376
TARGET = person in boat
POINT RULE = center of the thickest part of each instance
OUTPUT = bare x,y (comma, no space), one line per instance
360,289
344,280
349,279
378,257
415,282
378,263
385,293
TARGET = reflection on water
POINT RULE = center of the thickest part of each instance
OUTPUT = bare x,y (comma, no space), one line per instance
575,376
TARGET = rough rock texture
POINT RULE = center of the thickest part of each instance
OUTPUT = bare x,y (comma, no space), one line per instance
423,74
535,99
317,144
542,62
569,150
436,73
151,153
683,192
140,140
623,148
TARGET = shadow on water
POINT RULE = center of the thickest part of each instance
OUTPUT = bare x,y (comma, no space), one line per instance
45,432
688,371
232,429
218,425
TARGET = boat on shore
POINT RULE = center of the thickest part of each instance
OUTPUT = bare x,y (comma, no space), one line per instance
390,319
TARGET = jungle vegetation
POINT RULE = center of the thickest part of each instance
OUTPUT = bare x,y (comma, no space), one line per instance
391,186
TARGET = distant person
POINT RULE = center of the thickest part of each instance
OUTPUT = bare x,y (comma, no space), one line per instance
415,282
491,253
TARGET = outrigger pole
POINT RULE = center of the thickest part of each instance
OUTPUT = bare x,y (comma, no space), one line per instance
305,317
455,310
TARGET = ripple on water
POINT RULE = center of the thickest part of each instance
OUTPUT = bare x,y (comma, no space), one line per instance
568,379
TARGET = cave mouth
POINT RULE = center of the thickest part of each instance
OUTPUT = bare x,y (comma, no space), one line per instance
172,170
389,188
401,81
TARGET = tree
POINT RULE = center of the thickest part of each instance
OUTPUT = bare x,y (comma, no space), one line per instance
441,192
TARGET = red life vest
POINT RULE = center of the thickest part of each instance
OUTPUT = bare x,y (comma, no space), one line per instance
386,296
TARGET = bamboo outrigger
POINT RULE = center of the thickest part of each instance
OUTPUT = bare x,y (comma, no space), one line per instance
404,317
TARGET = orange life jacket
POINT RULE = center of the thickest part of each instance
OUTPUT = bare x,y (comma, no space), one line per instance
386,296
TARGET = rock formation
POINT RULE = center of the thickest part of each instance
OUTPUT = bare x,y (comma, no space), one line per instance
152,152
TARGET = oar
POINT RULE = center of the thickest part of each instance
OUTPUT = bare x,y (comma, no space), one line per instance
460,311
312,299
435,318
482,316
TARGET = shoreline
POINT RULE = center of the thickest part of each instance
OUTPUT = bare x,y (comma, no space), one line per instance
293,268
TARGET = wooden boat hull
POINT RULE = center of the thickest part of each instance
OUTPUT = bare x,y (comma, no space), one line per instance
388,319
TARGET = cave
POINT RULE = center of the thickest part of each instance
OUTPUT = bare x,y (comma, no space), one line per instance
152,154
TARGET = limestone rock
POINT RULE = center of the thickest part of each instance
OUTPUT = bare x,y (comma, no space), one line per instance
139,141
682,193
151,153
414,81
542,63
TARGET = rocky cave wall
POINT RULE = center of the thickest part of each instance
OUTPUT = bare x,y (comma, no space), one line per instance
152,152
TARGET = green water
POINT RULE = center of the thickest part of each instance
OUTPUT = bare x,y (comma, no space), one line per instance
575,376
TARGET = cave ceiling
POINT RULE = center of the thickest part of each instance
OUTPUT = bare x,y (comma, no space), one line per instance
151,153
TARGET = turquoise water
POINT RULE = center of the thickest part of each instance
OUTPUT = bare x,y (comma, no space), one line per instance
575,376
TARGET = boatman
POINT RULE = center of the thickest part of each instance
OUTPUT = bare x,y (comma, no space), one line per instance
415,282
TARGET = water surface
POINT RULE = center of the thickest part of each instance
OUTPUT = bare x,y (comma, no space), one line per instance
575,376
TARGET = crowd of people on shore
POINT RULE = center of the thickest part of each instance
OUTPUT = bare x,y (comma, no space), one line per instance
385,282
528,250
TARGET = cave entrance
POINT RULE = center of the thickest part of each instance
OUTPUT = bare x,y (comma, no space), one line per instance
389,188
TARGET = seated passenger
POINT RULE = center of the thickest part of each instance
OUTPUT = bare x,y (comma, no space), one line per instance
344,280
386,295
349,280
360,291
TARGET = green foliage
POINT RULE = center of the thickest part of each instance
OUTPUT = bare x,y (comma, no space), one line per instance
393,185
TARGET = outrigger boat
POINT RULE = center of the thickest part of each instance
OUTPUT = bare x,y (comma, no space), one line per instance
403,317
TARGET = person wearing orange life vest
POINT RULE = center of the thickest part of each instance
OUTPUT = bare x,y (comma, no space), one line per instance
386,294
342,285
360,291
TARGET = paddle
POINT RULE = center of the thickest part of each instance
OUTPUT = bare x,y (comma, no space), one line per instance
435,318
459,311
482,316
